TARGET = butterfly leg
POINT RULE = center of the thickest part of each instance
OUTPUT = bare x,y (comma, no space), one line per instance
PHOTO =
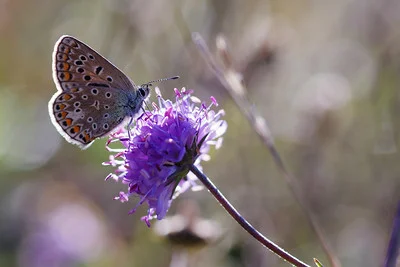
129,128
144,112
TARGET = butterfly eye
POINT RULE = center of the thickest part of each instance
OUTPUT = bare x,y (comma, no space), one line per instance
142,92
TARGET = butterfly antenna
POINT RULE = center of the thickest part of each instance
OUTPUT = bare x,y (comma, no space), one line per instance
162,80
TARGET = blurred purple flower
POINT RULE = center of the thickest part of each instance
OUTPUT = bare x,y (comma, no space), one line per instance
155,160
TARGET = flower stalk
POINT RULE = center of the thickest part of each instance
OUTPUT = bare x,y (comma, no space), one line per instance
231,81
394,243
243,222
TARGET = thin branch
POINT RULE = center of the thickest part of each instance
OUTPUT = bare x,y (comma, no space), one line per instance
230,79
245,224
394,243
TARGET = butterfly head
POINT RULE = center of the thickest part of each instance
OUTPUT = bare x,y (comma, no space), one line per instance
144,90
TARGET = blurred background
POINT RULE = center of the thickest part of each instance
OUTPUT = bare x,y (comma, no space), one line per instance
324,74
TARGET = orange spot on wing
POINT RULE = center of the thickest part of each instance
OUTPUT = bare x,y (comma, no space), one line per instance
64,76
87,138
66,66
64,114
68,121
67,97
60,106
77,129
62,56
67,76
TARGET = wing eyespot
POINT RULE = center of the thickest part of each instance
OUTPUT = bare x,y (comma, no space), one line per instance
98,70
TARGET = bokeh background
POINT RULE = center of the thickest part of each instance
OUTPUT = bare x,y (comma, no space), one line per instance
324,74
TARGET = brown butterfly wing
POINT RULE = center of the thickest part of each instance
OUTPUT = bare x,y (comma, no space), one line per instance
76,64
82,115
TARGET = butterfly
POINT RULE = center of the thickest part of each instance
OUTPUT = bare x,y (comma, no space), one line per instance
93,96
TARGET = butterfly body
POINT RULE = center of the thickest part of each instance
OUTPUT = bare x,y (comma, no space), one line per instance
93,96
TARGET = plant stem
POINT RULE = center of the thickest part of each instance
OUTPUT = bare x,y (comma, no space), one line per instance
229,78
243,222
394,243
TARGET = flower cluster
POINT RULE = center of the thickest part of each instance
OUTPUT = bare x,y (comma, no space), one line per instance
160,148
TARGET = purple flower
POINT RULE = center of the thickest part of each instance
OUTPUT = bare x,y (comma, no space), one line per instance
157,153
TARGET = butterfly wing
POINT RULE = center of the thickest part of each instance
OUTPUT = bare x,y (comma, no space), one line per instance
85,113
75,64
93,95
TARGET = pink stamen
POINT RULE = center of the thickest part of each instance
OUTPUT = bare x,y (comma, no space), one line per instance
214,101
177,93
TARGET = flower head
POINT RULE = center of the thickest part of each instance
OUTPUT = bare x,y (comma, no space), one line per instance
161,146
